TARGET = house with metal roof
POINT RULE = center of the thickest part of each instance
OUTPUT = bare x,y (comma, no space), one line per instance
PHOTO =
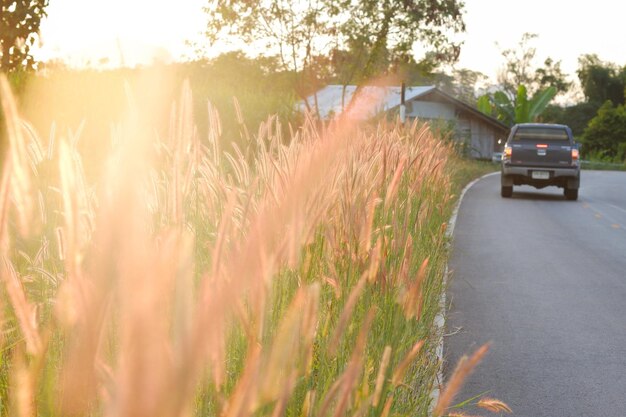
477,131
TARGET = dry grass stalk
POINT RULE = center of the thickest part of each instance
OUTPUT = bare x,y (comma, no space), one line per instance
463,369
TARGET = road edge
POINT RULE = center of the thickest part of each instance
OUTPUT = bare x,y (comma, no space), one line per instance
440,318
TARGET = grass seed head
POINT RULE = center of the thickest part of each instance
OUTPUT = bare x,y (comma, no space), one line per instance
493,405
463,370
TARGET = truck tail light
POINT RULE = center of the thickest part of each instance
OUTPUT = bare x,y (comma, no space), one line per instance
508,151
575,156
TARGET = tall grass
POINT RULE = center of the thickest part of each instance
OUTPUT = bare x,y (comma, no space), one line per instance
91,100
298,280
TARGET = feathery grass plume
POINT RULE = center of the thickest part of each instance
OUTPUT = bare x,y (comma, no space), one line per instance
5,200
387,407
26,312
349,379
122,280
21,186
258,235
346,315
493,405
365,239
71,211
240,120
288,386
146,370
380,378
307,405
413,299
463,369
291,346
398,374
243,401
22,389
403,275
193,280
393,185
376,258
334,285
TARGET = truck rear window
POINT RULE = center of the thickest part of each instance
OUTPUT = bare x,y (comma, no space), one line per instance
540,134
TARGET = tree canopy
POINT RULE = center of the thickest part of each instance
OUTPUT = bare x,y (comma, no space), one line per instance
384,33
519,69
601,81
605,136
370,36
19,24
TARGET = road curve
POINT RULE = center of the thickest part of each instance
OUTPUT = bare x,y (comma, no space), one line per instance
544,280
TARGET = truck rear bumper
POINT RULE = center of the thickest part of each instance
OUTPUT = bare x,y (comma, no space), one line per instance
560,177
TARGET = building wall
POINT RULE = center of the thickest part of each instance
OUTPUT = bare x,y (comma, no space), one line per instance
483,139
478,136
430,110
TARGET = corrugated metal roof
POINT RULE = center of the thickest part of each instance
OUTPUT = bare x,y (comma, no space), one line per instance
331,100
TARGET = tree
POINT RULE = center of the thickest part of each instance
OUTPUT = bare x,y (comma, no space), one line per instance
519,69
551,75
521,109
19,24
294,32
375,35
465,81
600,80
385,33
576,116
605,136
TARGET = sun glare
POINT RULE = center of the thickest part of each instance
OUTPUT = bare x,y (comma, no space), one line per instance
118,32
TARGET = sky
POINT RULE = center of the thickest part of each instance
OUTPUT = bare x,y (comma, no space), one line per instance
131,32
566,30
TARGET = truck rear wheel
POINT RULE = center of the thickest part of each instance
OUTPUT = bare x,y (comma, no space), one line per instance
571,193
506,191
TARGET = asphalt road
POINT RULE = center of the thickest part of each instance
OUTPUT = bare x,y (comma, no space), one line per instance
544,280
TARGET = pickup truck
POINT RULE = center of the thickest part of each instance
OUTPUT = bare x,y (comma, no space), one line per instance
541,155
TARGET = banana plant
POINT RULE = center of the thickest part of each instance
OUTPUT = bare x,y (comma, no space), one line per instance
521,110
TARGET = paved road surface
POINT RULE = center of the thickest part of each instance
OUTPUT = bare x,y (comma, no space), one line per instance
543,279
